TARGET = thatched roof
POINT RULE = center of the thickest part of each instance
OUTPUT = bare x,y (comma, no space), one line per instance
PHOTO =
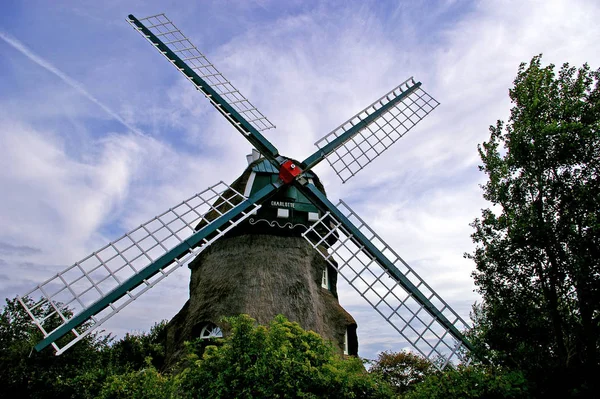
262,275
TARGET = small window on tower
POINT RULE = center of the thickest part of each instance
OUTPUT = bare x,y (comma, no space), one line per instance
211,330
283,213
346,342
325,279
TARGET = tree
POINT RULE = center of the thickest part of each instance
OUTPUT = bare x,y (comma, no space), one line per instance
132,351
27,373
402,370
281,360
82,370
537,250
471,382
146,383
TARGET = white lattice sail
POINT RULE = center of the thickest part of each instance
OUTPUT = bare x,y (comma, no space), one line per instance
179,44
379,288
371,141
81,286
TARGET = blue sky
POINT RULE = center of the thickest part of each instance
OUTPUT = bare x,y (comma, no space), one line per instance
98,133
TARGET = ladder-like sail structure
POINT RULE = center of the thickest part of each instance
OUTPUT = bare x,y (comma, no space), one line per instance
228,100
89,292
362,138
388,283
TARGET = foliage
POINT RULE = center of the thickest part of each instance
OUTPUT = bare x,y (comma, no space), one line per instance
281,360
538,247
402,370
81,371
471,382
147,383
132,351
30,374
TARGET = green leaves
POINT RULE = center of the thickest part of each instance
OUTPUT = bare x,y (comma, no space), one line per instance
472,382
146,383
534,263
27,373
252,361
281,360
402,370
81,371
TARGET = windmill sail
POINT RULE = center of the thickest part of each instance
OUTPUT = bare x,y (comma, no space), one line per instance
365,136
100,285
389,284
186,57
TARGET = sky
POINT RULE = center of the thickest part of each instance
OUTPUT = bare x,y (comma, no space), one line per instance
98,133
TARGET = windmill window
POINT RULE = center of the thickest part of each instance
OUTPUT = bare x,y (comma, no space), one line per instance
325,279
211,330
283,213
313,216
346,342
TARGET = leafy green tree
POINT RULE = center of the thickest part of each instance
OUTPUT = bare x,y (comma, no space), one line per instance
81,371
146,383
538,247
132,351
26,373
281,360
402,370
471,382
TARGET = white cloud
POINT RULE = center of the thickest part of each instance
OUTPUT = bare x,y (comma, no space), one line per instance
70,197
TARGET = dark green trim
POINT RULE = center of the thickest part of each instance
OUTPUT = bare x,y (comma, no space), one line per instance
256,139
265,167
154,268
322,153
323,203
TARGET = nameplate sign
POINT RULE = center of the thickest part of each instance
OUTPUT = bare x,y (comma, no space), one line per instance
282,204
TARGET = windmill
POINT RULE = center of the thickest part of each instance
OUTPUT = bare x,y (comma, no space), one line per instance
100,285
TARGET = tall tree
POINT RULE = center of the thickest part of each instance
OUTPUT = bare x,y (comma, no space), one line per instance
537,248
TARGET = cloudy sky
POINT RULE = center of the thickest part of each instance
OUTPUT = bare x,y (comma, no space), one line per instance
98,132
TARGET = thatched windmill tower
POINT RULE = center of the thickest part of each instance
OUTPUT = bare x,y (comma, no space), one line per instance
264,267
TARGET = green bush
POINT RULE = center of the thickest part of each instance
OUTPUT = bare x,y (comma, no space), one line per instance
281,360
147,383
471,382
401,370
